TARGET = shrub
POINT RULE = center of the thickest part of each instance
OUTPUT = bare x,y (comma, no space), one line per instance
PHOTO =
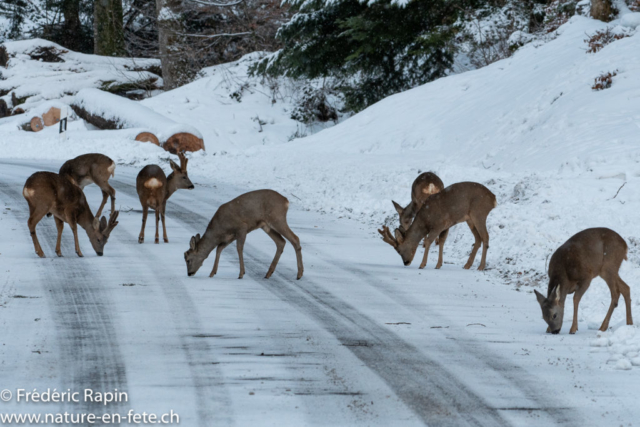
602,38
604,81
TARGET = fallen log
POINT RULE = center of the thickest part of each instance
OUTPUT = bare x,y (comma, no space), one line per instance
108,111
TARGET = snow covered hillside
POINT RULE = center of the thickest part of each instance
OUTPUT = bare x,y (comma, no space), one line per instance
554,151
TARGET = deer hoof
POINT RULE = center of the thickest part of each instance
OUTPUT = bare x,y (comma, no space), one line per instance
166,240
573,331
41,254
140,239
299,276
80,254
269,273
59,254
466,267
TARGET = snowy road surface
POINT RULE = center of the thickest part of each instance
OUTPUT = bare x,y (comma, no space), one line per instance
359,340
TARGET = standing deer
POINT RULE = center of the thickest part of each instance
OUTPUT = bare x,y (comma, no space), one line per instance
264,209
50,193
425,185
92,168
464,201
154,189
588,254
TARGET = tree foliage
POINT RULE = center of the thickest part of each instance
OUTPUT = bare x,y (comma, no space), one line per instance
374,49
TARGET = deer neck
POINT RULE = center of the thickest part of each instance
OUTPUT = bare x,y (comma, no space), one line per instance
208,242
172,185
415,234
85,219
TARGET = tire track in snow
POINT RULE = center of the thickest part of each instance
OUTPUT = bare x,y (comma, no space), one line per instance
90,354
205,376
423,385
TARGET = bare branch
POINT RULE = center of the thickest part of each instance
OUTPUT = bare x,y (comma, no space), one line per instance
210,3
214,36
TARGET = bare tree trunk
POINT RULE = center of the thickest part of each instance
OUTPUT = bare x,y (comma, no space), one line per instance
108,34
175,66
602,10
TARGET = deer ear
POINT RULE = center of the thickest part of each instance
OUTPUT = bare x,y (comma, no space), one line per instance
103,224
399,208
192,243
540,297
557,293
96,223
173,165
399,236
197,237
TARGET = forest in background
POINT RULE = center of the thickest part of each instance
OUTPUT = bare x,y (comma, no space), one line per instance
361,51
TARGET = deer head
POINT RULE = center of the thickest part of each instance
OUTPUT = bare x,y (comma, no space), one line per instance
181,177
192,257
552,309
399,243
101,231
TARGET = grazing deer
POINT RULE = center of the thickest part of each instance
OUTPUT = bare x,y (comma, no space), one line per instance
50,193
155,188
590,253
425,185
264,209
464,201
92,168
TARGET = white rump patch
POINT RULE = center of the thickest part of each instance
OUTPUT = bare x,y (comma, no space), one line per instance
153,183
431,189
495,203
112,169
28,192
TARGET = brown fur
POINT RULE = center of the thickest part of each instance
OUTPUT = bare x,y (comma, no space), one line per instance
154,189
265,209
588,254
464,201
425,185
93,168
50,193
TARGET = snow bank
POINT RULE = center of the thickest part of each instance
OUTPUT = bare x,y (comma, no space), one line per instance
623,346
235,111
41,81
130,114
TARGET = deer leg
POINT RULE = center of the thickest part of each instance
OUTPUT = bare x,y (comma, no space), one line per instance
164,227
145,211
74,228
427,245
615,296
440,242
481,227
59,226
280,243
105,196
112,194
581,289
626,294
157,210
34,218
221,246
285,231
240,246
476,246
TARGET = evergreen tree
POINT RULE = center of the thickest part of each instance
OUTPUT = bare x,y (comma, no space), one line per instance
374,49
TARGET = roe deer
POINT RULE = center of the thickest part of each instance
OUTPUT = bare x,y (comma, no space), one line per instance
464,201
154,189
92,168
264,209
425,185
50,193
588,254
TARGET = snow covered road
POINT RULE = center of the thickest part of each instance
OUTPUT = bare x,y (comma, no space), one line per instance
359,340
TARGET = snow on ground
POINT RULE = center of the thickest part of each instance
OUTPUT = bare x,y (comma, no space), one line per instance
42,80
555,152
